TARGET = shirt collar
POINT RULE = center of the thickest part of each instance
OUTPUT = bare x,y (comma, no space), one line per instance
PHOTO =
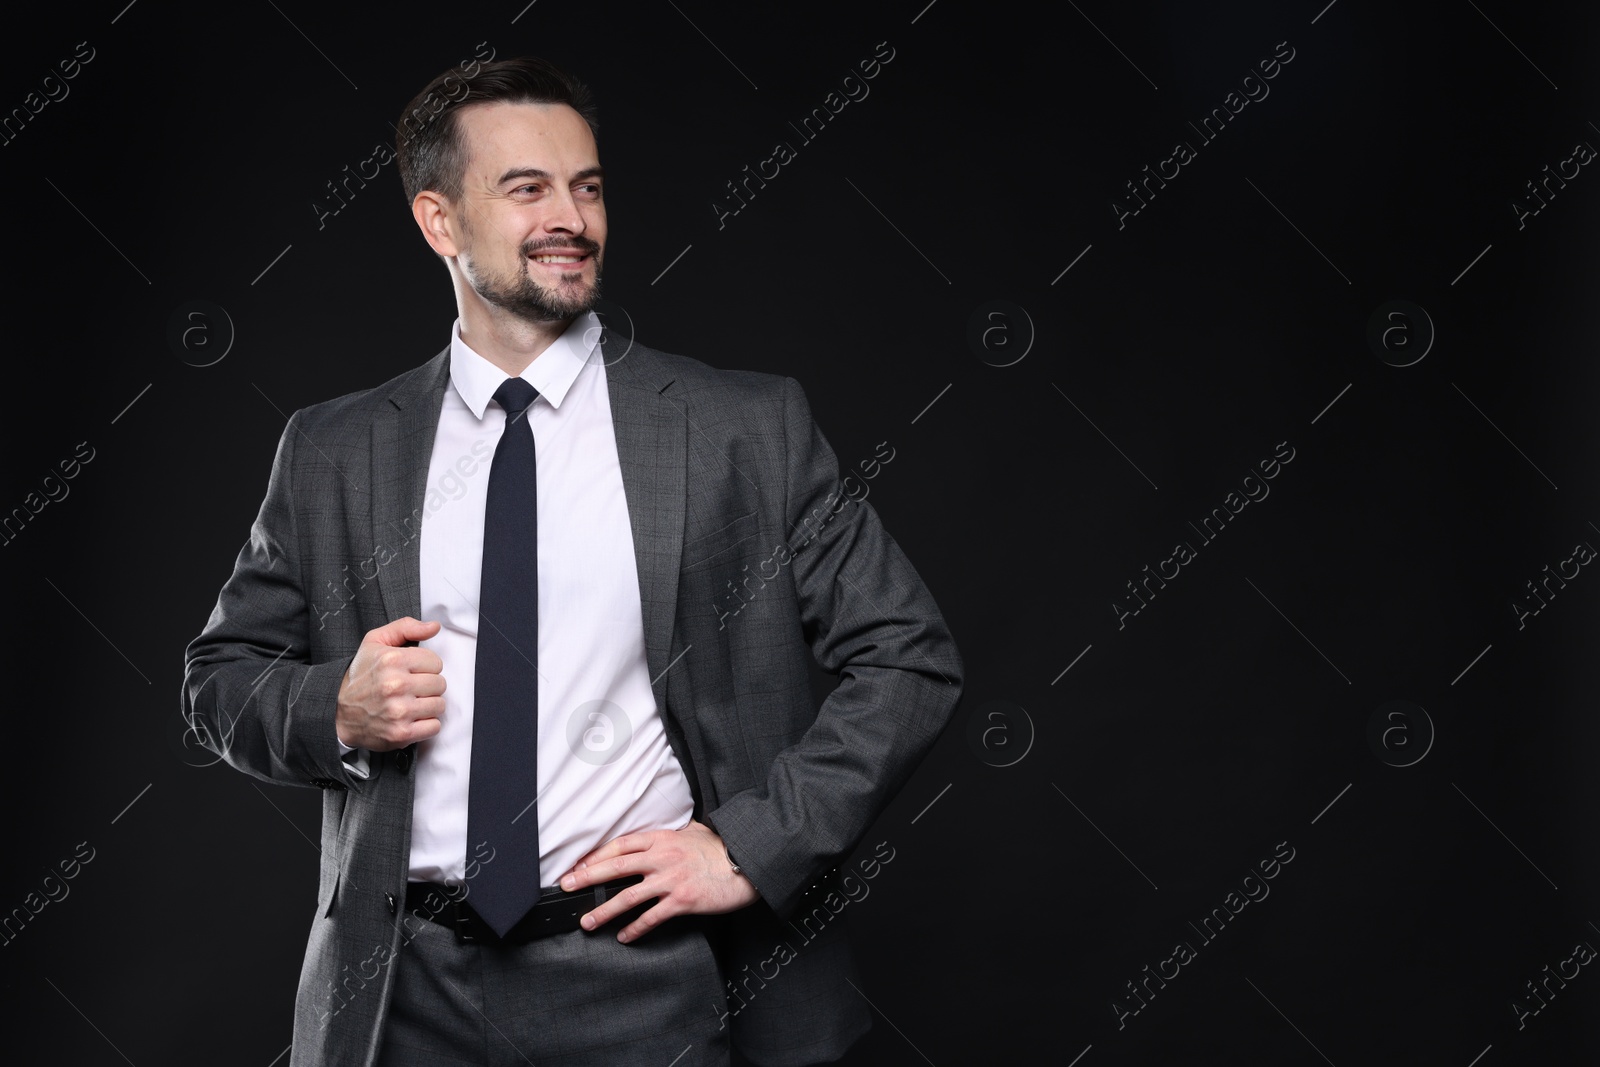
552,372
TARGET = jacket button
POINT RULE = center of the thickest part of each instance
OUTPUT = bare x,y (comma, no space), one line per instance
393,907
402,759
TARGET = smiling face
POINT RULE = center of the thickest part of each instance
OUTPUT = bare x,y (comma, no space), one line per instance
528,227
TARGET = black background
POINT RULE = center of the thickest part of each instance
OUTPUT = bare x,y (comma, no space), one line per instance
1230,715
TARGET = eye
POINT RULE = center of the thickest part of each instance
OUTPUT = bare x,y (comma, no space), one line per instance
590,189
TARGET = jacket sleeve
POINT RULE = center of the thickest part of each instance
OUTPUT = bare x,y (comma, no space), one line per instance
250,692
868,618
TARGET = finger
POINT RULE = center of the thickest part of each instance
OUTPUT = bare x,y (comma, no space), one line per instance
425,685
403,714
626,900
426,708
588,874
401,630
416,660
422,730
645,923
584,873
393,735
575,878
423,661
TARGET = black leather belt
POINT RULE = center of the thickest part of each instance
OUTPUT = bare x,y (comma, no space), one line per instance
557,912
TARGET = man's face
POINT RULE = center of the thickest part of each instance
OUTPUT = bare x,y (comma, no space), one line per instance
531,214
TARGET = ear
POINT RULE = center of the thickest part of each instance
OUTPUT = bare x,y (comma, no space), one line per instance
435,217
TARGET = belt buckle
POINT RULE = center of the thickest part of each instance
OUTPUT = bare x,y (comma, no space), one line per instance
467,930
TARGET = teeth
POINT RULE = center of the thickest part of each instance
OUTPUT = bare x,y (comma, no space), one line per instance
557,259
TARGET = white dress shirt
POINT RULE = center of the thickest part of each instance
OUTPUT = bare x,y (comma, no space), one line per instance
604,765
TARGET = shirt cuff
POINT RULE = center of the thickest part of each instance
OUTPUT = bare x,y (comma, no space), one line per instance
355,760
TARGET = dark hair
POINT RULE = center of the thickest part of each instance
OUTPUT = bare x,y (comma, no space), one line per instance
428,142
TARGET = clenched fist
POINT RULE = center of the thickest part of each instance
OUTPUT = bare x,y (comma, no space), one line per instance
392,695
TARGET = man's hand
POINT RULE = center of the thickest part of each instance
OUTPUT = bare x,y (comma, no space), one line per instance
686,871
391,695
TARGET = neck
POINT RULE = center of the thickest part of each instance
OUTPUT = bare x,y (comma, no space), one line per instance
506,340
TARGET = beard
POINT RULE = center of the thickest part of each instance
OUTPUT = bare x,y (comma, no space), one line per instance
517,292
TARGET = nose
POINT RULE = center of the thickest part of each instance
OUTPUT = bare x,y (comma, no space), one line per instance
564,215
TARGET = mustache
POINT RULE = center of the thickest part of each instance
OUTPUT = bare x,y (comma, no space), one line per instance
582,244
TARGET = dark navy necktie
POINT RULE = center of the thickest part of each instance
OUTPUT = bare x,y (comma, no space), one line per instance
501,792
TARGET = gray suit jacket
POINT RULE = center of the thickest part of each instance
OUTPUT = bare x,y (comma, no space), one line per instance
729,484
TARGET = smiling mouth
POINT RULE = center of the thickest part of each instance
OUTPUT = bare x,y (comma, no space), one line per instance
559,258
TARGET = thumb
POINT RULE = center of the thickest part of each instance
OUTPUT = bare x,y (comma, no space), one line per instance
402,630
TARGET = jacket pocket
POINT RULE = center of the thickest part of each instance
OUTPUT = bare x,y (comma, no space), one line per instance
720,543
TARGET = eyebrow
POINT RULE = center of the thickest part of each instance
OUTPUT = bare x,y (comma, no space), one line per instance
544,175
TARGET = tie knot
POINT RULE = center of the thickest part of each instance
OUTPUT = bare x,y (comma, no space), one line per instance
515,395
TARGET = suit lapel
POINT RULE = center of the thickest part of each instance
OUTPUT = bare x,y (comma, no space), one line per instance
651,430
402,445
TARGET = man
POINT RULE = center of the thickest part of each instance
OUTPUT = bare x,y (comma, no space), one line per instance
533,616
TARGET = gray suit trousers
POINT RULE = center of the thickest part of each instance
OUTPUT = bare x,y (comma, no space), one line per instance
561,1001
